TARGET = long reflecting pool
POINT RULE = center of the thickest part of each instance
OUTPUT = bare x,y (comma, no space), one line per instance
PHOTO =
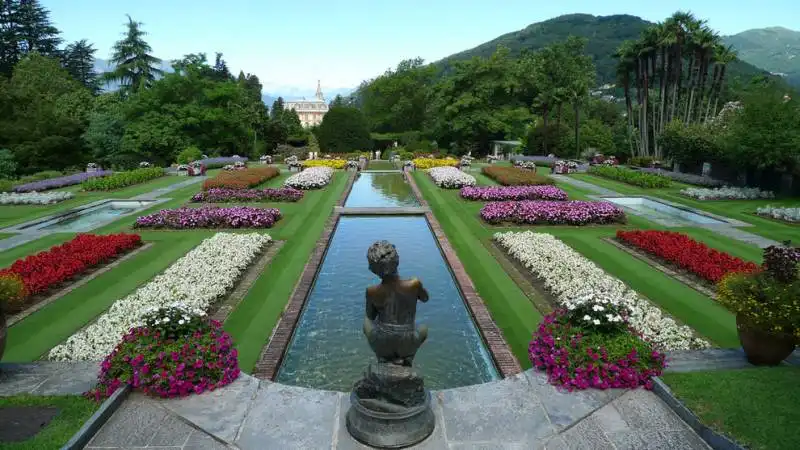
328,349
381,189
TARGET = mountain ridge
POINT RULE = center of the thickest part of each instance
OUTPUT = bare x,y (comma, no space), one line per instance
776,49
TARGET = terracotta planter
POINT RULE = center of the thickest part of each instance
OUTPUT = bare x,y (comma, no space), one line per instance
763,348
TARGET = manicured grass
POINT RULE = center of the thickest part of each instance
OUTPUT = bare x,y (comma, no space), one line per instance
381,164
743,210
5,235
510,308
73,411
758,407
253,320
14,214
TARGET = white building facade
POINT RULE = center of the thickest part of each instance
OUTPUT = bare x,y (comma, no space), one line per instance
310,112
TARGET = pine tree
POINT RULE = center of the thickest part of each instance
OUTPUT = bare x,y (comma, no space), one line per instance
135,67
78,59
221,72
276,112
25,27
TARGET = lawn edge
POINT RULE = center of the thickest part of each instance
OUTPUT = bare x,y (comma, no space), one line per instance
85,434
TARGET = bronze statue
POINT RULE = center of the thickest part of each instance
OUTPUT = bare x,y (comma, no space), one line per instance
391,309
390,407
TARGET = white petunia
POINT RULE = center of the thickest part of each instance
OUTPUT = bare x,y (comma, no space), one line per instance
587,318
727,193
181,322
596,322
450,177
34,198
311,178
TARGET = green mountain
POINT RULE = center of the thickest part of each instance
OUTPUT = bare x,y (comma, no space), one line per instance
776,49
604,35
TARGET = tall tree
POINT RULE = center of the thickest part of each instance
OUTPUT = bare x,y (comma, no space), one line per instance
135,68
344,129
78,59
276,112
221,71
25,27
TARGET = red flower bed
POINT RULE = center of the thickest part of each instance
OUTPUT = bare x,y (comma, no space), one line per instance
46,269
686,253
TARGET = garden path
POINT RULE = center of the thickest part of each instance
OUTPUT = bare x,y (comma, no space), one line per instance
47,378
724,229
523,411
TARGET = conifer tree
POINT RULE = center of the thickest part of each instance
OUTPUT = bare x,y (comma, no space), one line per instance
135,68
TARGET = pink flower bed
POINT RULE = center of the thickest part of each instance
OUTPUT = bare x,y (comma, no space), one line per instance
210,217
532,212
542,192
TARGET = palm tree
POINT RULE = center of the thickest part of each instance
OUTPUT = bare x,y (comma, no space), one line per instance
723,57
625,66
134,68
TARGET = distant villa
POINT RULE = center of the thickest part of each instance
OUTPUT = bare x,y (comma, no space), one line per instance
310,112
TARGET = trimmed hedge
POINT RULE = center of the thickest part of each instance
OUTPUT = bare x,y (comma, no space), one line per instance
632,177
241,179
122,179
513,176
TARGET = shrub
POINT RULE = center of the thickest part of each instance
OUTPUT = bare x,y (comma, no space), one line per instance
688,178
762,301
12,292
221,161
641,161
6,185
632,177
241,179
168,360
189,154
122,179
689,145
513,176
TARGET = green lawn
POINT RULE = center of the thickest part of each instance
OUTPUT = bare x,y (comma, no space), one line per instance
735,209
765,418
381,164
73,411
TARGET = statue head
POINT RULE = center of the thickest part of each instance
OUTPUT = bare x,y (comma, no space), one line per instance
383,259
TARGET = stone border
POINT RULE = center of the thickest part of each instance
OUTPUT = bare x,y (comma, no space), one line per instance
682,276
504,359
272,354
89,276
98,419
715,440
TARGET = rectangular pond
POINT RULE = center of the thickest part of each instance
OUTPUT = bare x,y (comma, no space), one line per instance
381,189
86,219
663,213
328,349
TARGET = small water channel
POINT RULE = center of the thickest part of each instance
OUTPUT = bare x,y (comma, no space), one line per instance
381,189
328,349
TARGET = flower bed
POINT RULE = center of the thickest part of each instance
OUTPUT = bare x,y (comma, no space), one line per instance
543,161
727,193
176,353
632,177
241,179
34,198
225,195
429,163
451,178
197,280
221,161
513,176
686,253
210,217
568,276
513,193
532,212
787,214
332,163
55,183
687,178
122,179
312,178
47,269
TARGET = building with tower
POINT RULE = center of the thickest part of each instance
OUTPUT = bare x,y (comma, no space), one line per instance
310,112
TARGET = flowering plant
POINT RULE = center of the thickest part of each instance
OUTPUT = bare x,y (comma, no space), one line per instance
194,359
332,163
513,176
522,164
598,312
144,164
450,177
54,183
12,291
311,178
531,212
210,217
727,193
34,198
429,163
632,177
220,161
222,195
688,178
122,179
174,321
241,178
512,193
686,253
762,301
787,214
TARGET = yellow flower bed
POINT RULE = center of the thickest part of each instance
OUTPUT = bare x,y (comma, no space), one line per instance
332,163
428,163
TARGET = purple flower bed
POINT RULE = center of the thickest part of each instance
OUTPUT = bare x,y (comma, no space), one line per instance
532,212
222,195
55,183
221,161
688,178
210,217
513,193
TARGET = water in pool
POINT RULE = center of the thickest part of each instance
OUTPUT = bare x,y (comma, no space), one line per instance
381,189
90,218
329,351
661,212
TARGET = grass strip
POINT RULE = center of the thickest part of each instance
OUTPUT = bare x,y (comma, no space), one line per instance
73,411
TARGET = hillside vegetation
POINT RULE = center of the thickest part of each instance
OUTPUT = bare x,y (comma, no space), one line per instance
776,49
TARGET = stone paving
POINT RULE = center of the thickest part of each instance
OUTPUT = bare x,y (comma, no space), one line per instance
156,193
47,378
520,412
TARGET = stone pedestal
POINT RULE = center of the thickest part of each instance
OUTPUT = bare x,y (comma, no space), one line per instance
390,407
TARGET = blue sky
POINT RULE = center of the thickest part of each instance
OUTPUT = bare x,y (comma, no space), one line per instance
291,44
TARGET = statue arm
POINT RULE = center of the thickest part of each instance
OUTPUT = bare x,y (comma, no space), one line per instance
422,293
371,312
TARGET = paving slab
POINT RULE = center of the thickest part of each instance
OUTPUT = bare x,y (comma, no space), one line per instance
156,193
132,425
47,378
706,359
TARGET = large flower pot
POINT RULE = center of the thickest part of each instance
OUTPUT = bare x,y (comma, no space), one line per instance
3,332
764,348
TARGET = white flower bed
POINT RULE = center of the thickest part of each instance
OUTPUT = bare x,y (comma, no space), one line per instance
450,177
727,193
34,198
573,279
196,280
311,178
787,214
